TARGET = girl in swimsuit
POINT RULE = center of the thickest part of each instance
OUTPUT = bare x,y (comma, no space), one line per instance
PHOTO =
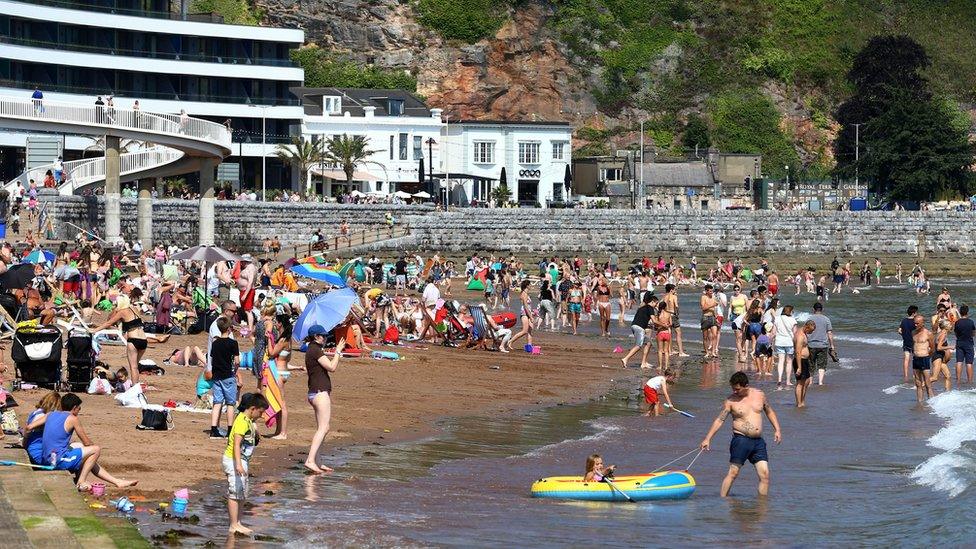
662,323
595,471
575,304
526,315
602,293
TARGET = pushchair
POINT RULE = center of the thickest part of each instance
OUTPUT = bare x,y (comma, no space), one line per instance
36,353
81,360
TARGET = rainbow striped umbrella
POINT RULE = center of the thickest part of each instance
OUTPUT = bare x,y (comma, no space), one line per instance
320,273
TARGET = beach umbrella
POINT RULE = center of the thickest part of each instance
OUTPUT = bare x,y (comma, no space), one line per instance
327,310
568,181
401,194
40,256
17,276
503,178
422,194
420,174
320,273
209,254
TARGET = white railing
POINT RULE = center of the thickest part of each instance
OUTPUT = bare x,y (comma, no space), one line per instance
109,117
83,172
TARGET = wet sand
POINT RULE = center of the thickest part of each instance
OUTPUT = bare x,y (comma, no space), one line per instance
373,401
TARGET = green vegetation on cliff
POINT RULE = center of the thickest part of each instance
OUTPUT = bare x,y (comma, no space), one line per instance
465,20
234,12
326,69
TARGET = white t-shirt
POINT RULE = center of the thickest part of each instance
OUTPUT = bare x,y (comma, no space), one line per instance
785,325
723,303
431,295
656,382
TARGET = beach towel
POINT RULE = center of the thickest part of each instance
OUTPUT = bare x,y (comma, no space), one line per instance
271,381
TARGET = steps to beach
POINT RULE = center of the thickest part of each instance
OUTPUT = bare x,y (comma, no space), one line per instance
43,509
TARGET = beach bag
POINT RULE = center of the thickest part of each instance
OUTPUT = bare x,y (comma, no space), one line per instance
149,366
391,336
9,421
131,398
100,386
155,417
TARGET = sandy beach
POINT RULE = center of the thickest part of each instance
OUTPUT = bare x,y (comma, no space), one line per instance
374,401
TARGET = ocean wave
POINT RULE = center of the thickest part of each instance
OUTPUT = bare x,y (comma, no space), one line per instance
603,429
870,340
954,469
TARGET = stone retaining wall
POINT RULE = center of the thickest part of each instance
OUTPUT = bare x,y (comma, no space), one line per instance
242,226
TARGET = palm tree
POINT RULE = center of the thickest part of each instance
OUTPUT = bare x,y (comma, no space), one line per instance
302,153
347,152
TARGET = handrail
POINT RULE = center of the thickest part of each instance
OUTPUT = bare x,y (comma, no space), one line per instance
85,171
115,117
352,240
146,94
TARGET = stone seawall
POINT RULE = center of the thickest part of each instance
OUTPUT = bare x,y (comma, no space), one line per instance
690,232
242,226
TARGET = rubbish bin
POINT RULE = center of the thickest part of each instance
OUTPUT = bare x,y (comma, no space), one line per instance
858,204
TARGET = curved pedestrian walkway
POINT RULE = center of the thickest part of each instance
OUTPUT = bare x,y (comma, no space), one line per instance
179,144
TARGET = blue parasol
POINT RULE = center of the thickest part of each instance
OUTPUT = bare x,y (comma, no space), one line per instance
40,256
327,310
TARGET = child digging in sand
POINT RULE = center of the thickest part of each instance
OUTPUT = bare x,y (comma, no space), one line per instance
652,390
241,440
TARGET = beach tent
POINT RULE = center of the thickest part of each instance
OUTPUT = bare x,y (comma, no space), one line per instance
355,268
476,284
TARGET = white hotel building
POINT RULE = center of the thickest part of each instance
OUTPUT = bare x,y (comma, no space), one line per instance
76,50
404,132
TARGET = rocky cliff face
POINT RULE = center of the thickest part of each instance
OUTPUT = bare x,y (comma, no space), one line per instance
522,73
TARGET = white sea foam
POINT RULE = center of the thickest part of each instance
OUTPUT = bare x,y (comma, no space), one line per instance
895,388
870,340
603,429
954,469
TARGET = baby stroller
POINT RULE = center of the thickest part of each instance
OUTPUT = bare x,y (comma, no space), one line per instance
36,352
81,360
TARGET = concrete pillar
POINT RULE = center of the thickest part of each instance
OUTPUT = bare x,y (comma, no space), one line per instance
144,213
160,187
207,202
113,205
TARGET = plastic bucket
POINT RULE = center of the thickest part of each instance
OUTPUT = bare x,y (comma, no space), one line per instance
178,506
98,489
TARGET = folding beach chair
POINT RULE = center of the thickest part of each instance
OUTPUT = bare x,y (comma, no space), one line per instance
484,335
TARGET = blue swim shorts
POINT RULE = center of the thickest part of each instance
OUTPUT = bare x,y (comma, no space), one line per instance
744,448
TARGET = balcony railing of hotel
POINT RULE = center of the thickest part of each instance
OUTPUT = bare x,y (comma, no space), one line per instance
28,87
123,52
68,4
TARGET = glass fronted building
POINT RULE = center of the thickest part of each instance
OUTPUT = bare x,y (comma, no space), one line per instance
168,60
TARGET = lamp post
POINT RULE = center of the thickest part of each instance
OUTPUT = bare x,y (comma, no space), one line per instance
429,187
264,152
857,157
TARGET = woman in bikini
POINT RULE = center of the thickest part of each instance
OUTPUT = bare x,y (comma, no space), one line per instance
136,341
526,315
575,304
602,293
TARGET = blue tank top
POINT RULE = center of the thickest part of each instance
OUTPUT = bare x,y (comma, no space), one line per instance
33,442
55,439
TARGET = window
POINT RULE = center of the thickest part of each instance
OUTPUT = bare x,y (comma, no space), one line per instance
395,107
559,150
484,152
610,174
331,104
528,152
403,146
392,145
418,147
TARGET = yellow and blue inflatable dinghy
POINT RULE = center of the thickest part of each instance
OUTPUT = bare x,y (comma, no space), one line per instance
650,487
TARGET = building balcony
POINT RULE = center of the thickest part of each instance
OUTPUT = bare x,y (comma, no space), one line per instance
122,52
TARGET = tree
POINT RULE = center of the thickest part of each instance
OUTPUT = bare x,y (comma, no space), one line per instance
697,135
302,154
347,152
910,145
501,195
747,122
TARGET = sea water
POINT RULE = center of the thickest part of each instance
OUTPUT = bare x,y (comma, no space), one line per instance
863,465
